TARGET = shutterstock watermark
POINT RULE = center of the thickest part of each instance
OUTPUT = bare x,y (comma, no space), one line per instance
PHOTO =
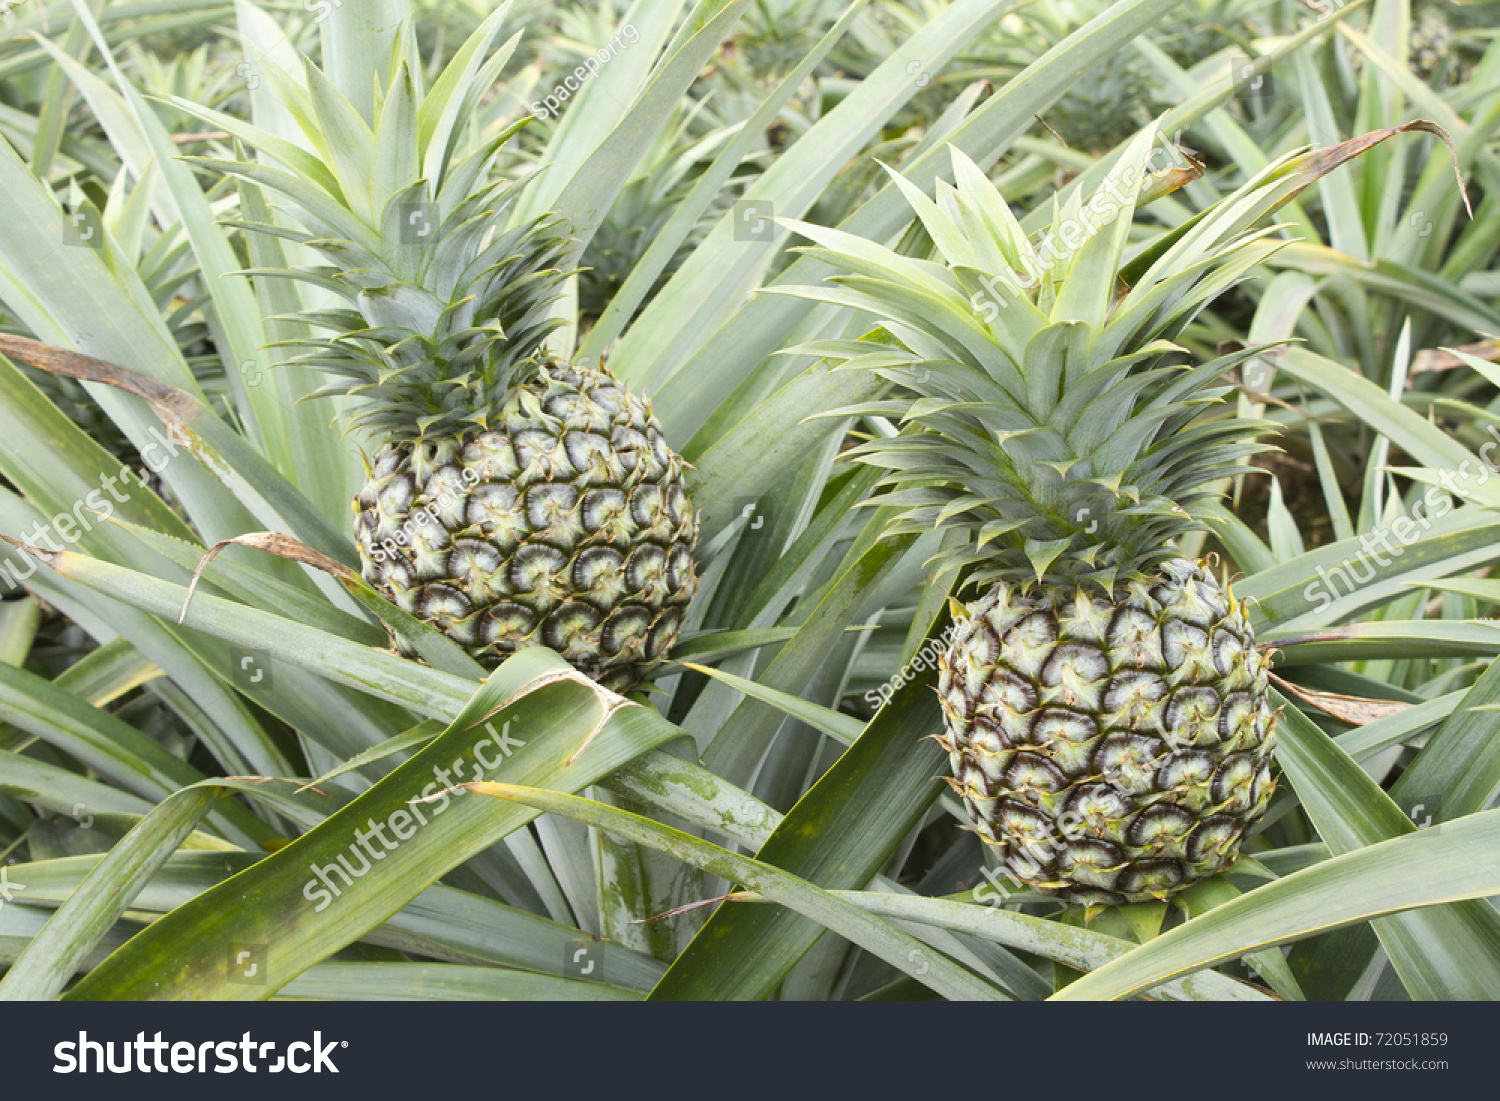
998,886
754,220
329,881
550,106
66,528
1324,8
1251,83
143,1056
321,9
1102,209
1353,573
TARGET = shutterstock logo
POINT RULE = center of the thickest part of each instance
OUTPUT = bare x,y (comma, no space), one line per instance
143,1056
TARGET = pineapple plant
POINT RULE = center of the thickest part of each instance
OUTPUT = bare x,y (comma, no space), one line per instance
514,498
1106,709
1432,46
489,901
1094,115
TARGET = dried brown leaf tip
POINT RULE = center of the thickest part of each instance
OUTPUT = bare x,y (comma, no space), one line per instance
272,542
1354,710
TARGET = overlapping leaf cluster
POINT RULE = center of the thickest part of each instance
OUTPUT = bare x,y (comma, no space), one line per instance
161,797
452,304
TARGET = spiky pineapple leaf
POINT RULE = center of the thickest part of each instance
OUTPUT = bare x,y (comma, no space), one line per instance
441,920
897,948
731,349
226,453
836,837
449,982
1424,869
567,738
643,276
1073,946
707,290
49,961
234,302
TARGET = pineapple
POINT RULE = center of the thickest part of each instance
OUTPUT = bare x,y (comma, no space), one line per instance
1430,43
1096,116
513,499
1106,708
1432,47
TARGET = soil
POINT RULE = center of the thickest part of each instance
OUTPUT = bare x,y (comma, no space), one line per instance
1301,492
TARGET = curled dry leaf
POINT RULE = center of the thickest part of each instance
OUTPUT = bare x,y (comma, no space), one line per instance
1353,710
283,546
1158,185
169,403
1318,163
1446,359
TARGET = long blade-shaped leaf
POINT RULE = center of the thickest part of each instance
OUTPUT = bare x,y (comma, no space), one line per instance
45,967
1422,869
896,948
533,721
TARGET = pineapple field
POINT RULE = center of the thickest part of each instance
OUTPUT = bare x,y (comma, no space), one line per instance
686,500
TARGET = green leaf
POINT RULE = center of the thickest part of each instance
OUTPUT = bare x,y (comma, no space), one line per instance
441,113
845,728
243,331
50,960
896,948
534,720
110,747
445,982
754,454
60,791
357,44
685,216
586,199
1423,440
1389,639
1334,583
837,837
441,921
715,346
1423,869
1072,946
1203,897
1458,770
1447,953
737,747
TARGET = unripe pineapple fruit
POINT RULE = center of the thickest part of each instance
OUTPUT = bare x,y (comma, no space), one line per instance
514,499
566,522
1431,43
1110,750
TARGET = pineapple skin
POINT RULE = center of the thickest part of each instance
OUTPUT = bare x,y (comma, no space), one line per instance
1110,752
564,522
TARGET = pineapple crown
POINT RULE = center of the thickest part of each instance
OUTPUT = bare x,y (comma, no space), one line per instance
450,290
1045,408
